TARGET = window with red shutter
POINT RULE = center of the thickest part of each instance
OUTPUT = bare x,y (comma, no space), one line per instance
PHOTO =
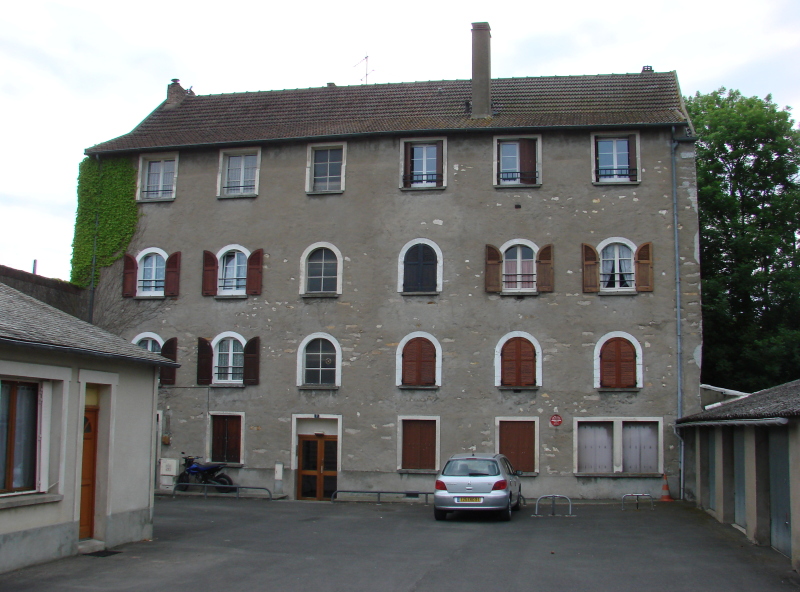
169,350
226,438
419,363
618,364
129,276
172,275
419,444
205,361
518,363
423,164
518,443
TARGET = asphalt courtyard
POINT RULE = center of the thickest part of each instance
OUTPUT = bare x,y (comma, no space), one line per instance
252,545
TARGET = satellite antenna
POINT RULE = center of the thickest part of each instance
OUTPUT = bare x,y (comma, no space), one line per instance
367,71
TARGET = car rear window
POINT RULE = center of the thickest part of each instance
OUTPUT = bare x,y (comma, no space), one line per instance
471,467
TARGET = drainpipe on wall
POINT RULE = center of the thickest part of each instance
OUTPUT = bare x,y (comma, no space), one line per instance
679,331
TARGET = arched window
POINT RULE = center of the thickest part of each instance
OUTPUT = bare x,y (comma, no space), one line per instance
320,362
518,271
518,361
228,359
616,267
321,270
233,271
152,273
618,361
420,267
519,266
419,363
620,266
152,344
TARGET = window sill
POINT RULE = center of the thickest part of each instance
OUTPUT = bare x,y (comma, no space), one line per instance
318,387
517,389
622,475
631,292
418,471
159,297
630,389
520,294
415,387
419,293
518,186
29,499
615,182
319,295
429,188
332,192
227,385
230,296
237,196
156,200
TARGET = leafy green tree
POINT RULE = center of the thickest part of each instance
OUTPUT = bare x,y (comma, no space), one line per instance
748,160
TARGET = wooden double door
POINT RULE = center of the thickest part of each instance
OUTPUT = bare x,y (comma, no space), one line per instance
317,463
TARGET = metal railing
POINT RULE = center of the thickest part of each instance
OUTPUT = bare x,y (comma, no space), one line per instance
553,498
205,487
637,496
379,493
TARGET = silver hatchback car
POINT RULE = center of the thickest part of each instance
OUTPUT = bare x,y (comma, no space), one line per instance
477,482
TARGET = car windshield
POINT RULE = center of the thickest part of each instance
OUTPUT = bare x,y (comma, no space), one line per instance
471,467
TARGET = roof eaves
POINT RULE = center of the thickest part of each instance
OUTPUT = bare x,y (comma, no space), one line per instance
86,351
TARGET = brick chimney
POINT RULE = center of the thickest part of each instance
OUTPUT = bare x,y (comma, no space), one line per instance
175,93
481,71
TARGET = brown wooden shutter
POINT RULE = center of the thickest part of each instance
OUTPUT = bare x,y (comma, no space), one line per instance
407,164
255,263
632,164
226,436
644,268
608,364
527,161
130,271
498,165
172,275
419,444
618,364
518,363
596,161
209,274
419,363
591,268
169,350
410,362
440,163
518,443
493,275
252,357
627,364
205,361
545,278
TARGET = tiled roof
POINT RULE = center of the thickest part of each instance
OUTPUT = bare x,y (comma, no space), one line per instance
779,401
649,98
27,321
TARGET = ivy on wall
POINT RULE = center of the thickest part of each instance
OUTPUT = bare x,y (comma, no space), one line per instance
107,194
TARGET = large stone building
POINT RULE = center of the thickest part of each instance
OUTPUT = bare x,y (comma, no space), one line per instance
360,281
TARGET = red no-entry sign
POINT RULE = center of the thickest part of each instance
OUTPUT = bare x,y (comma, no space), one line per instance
556,420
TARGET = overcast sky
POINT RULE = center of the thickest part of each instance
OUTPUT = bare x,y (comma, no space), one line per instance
73,74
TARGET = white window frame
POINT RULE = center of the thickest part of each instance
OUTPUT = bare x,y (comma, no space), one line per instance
140,272
304,267
400,420
312,148
498,361
621,135
141,179
617,440
301,361
598,347
222,173
398,376
148,335
535,420
497,140
423,142
231,291
215,362
513,243
603,245
401,262
210,433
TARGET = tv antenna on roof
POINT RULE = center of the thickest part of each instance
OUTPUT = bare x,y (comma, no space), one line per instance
367,71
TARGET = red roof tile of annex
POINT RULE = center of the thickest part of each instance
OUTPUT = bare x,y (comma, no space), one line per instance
605,100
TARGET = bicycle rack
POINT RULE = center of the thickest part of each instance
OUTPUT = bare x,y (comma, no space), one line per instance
553,504
637,496
205,487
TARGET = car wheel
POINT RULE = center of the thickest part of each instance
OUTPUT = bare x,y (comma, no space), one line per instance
518,505
439,514
505,513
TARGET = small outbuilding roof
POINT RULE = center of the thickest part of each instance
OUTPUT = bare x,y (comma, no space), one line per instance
26,321
779,401
615,100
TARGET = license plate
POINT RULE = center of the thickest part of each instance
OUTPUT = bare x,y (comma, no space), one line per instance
469,500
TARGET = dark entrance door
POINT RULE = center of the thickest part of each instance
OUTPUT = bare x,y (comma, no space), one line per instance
316,477
88,466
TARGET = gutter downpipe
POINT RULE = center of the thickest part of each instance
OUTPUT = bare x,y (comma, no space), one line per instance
678,329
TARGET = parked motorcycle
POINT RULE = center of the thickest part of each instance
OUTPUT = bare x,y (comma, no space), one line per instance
195,471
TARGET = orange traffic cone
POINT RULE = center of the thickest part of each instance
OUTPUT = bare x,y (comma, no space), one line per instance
665,496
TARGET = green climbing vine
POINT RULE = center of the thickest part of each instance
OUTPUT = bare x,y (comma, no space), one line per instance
106,193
